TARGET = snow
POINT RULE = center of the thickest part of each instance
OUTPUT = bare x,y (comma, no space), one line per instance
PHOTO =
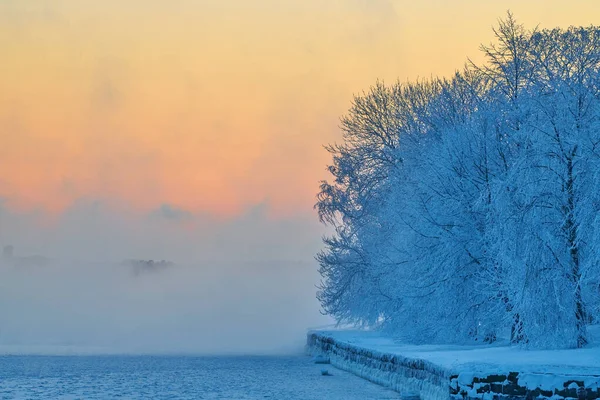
402,374
480,358
368,354
550,381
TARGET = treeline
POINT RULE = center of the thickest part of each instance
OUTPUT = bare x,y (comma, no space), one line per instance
468,208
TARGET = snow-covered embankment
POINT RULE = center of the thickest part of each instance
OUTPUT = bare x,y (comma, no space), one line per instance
397,372
462,372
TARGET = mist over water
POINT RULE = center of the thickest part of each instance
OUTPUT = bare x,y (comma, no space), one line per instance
243,285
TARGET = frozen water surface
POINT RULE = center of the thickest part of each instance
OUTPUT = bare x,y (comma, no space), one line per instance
179,377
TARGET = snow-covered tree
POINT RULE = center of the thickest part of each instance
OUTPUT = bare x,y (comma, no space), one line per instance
467,208
376,125
553,198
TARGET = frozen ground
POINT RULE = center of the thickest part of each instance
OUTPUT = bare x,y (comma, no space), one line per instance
434,370
142,377
484,358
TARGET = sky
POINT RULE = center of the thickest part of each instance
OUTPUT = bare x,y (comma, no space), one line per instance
193,130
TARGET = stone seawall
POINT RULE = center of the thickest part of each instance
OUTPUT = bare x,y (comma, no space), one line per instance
415,376
402,374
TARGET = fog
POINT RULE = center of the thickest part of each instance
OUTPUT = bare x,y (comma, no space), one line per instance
243,285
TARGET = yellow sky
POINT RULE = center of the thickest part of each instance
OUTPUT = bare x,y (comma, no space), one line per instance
211,105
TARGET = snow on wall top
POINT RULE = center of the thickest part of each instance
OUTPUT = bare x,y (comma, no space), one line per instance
480,359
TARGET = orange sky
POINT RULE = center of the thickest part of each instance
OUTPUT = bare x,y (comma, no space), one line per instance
211,105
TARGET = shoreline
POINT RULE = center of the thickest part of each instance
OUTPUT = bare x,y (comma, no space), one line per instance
458,372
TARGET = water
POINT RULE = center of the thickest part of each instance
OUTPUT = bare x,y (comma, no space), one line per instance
176,377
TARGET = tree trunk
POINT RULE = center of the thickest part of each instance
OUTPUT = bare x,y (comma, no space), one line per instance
516,330
571,230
